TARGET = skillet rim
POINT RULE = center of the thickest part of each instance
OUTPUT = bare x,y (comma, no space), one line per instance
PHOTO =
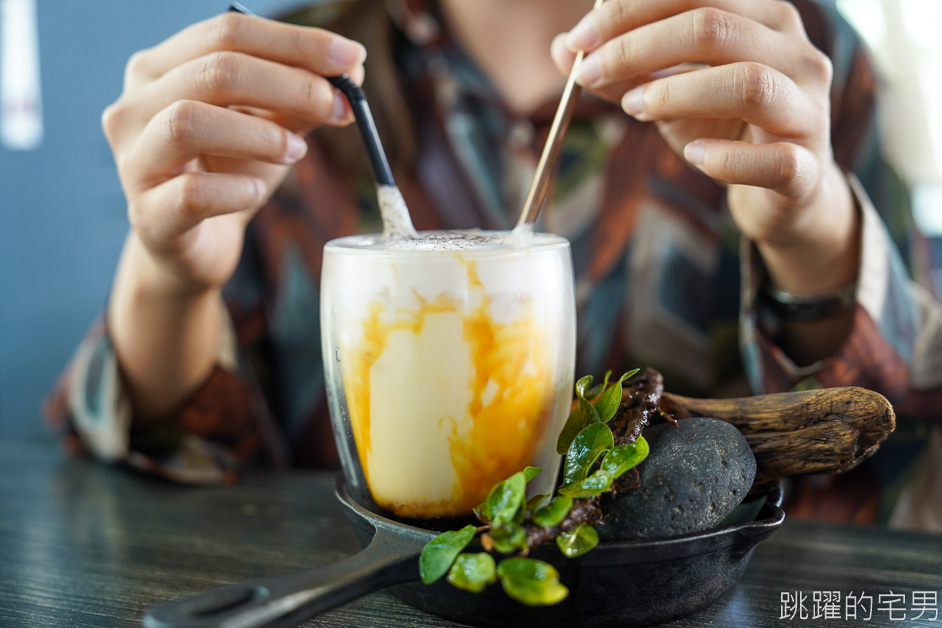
770,517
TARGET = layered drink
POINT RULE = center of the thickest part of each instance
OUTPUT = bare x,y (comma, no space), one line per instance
449,363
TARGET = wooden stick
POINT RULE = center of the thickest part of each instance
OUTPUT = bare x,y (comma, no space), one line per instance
796,433
544,168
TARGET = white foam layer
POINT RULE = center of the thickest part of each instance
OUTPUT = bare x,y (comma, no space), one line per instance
456,240
403,278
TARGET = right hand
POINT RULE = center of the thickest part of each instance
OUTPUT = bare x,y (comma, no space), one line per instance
208,125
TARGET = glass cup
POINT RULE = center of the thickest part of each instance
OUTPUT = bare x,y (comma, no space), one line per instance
449,364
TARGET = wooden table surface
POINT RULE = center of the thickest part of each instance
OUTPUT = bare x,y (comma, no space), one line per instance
85,545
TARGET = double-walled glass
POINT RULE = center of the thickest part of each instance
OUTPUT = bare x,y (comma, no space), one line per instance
449,366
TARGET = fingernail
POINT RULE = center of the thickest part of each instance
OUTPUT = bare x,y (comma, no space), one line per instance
297,147
584,35
346,52
693,153
339,113
590,72
633,102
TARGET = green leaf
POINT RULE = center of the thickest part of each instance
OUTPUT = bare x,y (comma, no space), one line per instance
535,501
531,472
553,513
473,572
584,414
573,426
596,484
439,553
625,457
608,403
589,413
577,542
587,447
509,538
596,390
521,515
504,499
581,384
531,582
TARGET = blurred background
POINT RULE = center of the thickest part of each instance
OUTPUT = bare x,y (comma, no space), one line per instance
62,213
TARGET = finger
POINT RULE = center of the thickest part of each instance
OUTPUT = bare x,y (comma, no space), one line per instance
179,204
782,167
357,74
706,36
232,78
314,49
187,129
564,59
750,92
562,56
619,16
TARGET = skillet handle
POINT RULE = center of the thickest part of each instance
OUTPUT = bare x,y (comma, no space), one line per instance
288,599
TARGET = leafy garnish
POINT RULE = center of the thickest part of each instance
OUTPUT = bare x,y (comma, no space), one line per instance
553,513
578,541
513,525
584,414
593,442
504,500
607,404
596,484
624,457
534,502
439,553
532,582
509,538
473,572
595,405
596,390
573,426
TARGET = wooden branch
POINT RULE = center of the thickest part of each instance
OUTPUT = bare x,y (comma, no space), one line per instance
796,433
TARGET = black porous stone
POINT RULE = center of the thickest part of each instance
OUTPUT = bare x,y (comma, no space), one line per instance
695,475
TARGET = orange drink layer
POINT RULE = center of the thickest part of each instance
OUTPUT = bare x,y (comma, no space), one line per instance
453,375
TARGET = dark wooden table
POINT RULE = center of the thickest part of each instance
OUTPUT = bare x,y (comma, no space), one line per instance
85,545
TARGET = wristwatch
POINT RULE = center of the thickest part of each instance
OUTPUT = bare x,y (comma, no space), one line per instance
775,307
792,307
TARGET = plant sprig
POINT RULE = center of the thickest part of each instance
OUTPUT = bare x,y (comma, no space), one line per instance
592,464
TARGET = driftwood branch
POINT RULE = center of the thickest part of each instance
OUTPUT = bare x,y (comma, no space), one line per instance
795,433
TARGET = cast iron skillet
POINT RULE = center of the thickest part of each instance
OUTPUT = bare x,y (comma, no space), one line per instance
616,584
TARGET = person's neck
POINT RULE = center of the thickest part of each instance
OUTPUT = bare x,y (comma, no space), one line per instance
510,41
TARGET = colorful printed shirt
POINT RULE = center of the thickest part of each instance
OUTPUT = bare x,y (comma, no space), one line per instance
660,281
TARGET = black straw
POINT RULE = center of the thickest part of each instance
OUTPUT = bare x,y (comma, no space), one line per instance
361,112
367,125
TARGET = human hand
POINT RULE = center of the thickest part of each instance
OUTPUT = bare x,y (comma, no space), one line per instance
736,87
207,126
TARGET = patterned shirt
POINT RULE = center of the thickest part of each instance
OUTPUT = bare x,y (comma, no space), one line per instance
663,278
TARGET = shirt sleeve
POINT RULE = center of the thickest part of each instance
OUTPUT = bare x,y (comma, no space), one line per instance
221,426
889,349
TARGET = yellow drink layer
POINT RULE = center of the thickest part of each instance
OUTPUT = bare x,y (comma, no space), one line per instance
445,399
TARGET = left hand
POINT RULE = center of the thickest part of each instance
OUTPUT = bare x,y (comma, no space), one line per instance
736,87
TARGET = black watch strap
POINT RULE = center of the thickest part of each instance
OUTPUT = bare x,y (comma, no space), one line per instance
786,306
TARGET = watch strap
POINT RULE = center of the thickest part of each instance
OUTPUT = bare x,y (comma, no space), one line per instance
787,306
